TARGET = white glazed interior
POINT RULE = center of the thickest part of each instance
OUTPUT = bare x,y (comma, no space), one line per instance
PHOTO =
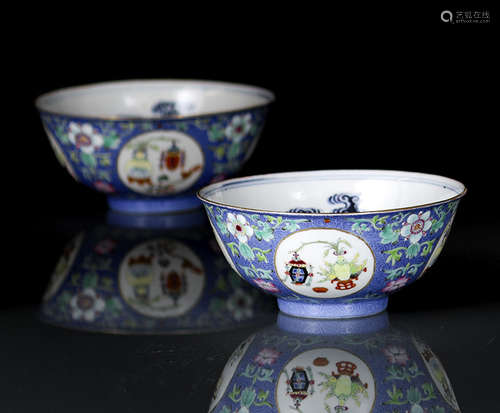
136,99
377,190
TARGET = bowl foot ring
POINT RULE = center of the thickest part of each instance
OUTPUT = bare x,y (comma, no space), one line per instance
333,310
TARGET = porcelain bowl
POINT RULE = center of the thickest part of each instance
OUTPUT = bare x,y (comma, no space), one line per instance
150,144
332,244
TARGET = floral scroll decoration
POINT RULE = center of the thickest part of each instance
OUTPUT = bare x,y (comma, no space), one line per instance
247,236
256,371
239,305
401,369
91,146
418,230
93,300
231,137
89,294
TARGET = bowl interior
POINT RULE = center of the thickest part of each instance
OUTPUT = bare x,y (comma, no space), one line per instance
153,98
333,191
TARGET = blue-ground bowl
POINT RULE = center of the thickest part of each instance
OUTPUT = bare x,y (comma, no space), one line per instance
150,144
332,244
359,365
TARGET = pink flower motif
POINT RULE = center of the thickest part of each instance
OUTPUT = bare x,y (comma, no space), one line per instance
396,355
105,246
104,187
267,285
395,284
266,357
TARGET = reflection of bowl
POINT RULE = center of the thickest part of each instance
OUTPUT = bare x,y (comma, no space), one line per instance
114,279
332,244
358,365
149,144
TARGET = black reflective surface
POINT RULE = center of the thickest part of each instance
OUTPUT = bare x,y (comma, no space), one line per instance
153,366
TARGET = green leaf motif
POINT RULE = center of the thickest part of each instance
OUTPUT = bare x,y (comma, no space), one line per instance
428,389
64,299
246,252
290,226
90,280
388,235
234,150
182,126
104,175
88,159
217,305
395,396
234,249
216,133
74,157
274,220
63,137
234,395
111,141
264,233
403,373
395,273
361,225
247,397
105,160
413,250
394,255
437,224
413,395
258,373
113,307
261,254
262,397
428,245
260,257
221,225
219,152
254,272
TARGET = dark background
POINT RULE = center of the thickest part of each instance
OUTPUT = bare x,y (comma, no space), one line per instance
355,88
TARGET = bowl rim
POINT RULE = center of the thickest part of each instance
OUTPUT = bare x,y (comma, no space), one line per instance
201,191
268,94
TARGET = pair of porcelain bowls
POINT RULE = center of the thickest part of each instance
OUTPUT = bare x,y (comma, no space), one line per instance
328,244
